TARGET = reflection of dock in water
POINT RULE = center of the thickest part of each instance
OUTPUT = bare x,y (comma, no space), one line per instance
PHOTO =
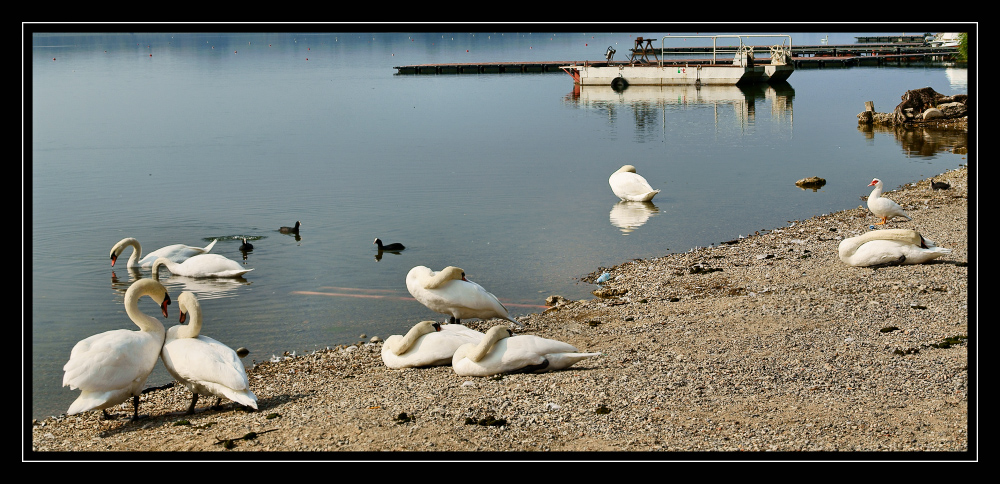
742,99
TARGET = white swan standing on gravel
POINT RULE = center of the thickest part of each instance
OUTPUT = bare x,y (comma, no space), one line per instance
112,366
204,265
883,208
889,247
202,364
427,343
501,352
175,253
631,186
449,292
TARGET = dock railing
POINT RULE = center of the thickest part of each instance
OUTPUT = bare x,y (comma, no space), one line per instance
779,53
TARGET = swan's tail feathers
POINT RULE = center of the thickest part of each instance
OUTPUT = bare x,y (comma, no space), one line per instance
208,248
246,397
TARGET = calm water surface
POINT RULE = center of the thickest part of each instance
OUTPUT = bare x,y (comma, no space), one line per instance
188,138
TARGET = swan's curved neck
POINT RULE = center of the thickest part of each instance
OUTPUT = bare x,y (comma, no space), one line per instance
133,260
409,339
193,327
486,344
162,261
144,321
443,276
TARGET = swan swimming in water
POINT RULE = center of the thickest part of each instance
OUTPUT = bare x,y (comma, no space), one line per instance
202,364
631,186
449,292
882,207
889,247
112,366
175,253
501,352
427,343
204,265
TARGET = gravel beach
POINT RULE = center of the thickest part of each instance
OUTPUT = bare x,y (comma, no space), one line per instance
768,343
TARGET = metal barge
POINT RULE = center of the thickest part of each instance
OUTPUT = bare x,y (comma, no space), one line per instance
728,65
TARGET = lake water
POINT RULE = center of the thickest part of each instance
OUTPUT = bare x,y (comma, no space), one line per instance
186,138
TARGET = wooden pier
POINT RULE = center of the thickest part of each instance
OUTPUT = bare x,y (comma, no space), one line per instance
810,56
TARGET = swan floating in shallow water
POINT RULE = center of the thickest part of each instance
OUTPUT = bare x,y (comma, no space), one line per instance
449,292
501,352
112,366
174,253
427,343
889,247
882,207
631,186
202,364
204,265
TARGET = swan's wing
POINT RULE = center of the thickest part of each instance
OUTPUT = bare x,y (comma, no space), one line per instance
204,360
111,360
631,185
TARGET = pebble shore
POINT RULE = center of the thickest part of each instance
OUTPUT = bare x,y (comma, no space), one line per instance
768,343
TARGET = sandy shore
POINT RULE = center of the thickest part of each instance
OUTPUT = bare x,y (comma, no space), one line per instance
767,343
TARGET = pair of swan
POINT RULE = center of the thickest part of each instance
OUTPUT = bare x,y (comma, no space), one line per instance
204,265
449,292
112,366
472,353
176,253
889,247
630,186
499,351
427,343
202,364
882,207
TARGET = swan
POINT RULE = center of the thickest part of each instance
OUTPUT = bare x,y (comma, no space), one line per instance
882,207
889,247
393,246
202,364
631,186
246,246
501,352
204,265
449,292
112,366
427,343
290,230
176,252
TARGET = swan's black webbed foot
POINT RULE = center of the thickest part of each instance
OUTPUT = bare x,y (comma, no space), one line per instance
217,405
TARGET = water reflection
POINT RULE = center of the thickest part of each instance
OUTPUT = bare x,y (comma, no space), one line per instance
203,288
645,101
958,78
629,216
922,141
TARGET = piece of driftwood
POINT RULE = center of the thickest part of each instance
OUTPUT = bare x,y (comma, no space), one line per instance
918,105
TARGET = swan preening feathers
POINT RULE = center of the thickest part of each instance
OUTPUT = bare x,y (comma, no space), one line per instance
449,292
202,364
630,186
204,265
502,352
112,366
889,247
174,253
427,343
882,207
